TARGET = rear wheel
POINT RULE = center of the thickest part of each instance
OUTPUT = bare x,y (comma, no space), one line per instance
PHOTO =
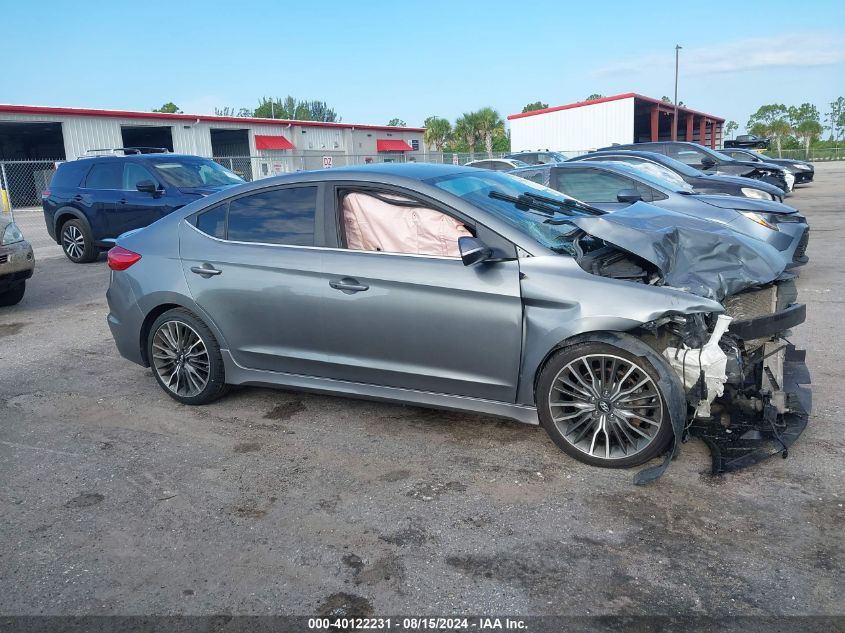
78,243
185,358
13,295
603,405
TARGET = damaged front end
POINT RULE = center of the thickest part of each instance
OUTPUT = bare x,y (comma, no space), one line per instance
746,384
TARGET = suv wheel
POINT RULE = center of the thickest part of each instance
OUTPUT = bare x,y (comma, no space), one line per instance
185,358
13,296
78,243
603,405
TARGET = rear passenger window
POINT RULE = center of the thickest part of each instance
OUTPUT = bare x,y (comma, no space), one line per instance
213,222
282,216
105,176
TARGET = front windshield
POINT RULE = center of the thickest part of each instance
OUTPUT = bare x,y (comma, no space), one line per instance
651,178
552,231
196,173
681,168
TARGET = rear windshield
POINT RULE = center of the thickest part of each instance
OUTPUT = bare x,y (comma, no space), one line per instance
195,173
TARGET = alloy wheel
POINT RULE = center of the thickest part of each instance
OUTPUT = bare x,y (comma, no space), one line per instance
73,241
606,406
180,358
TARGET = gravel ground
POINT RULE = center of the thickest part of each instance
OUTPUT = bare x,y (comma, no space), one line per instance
117,500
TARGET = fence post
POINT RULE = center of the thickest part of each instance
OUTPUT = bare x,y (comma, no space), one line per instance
5,198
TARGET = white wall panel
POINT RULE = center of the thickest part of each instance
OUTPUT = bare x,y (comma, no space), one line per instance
575,129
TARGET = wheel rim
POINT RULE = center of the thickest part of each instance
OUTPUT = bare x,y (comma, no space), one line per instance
73,241
606,406
180,358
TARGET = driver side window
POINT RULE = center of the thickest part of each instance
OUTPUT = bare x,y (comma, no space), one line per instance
391,223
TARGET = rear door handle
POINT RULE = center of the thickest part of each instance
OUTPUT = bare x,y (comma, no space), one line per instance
349,285
206,270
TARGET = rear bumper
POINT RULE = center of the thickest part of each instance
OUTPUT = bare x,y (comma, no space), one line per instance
125,319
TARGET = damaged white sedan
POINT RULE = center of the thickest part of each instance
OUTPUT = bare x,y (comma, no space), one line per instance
471,290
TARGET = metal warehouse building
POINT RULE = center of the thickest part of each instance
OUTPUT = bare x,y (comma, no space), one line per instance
625,118
254,148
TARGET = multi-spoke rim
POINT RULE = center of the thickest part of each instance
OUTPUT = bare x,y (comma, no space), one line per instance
606,406
73,241
180,358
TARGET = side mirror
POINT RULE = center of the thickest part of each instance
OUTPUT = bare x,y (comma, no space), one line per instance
146,186
707,162
629,195
473,250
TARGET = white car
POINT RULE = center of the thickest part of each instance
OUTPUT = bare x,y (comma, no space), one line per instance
497,164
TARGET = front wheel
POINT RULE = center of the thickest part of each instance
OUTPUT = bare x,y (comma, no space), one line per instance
185,358
78,243
603,405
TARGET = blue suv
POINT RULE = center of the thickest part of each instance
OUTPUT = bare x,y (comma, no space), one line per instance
91,201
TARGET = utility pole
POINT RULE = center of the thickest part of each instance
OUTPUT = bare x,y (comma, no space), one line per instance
675,119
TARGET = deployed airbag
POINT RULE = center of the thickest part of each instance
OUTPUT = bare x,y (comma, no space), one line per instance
701,257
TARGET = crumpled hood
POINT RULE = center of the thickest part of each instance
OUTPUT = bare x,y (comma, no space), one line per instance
746,204
701,257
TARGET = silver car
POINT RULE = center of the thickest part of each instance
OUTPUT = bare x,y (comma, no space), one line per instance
16,263
470,290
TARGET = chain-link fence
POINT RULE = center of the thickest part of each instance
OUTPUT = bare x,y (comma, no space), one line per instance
815,154
21,183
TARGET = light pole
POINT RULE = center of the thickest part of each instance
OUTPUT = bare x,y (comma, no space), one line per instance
675,119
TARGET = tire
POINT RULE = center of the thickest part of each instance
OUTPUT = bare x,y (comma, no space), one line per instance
588,423
78,243
185,358
13,296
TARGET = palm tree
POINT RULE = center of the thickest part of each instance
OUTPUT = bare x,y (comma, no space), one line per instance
438,131
489,123
808,131
779,129
466,129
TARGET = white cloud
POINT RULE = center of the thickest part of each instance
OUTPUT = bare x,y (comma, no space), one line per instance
793,50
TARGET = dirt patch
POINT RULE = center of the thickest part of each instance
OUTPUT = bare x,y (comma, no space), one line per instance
285,410
9,329
409,536
429,491
395,475
345,605
353,561
85,500
247,447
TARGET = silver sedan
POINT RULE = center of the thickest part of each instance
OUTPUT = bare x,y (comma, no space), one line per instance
16,263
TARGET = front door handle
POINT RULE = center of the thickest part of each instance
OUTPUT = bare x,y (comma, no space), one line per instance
206,270
349,285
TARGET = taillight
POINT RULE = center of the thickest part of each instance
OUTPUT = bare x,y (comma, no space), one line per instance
121,258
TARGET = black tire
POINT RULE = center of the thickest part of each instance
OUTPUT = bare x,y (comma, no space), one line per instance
12,296
613,438
160,363
78,243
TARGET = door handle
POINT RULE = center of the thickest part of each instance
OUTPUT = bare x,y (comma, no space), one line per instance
349,285
122,201
206,270
78,198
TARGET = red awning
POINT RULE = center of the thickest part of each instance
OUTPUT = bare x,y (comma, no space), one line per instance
272,142
392,145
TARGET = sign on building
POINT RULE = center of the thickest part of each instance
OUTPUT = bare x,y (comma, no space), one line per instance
327,162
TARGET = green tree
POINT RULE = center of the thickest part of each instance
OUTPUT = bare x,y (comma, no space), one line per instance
771,120
805,121
169,108
731,127
466,129
227,111
396,123
665,99
295,109
595,95
537,105
438,132
836,118
489,124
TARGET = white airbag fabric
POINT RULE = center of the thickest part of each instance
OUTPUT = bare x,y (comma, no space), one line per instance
375,225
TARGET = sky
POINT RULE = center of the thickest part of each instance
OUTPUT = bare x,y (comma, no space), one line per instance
375,60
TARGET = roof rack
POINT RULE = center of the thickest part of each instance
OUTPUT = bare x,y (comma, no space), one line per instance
130,150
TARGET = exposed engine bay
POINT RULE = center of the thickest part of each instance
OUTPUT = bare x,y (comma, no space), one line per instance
745,383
